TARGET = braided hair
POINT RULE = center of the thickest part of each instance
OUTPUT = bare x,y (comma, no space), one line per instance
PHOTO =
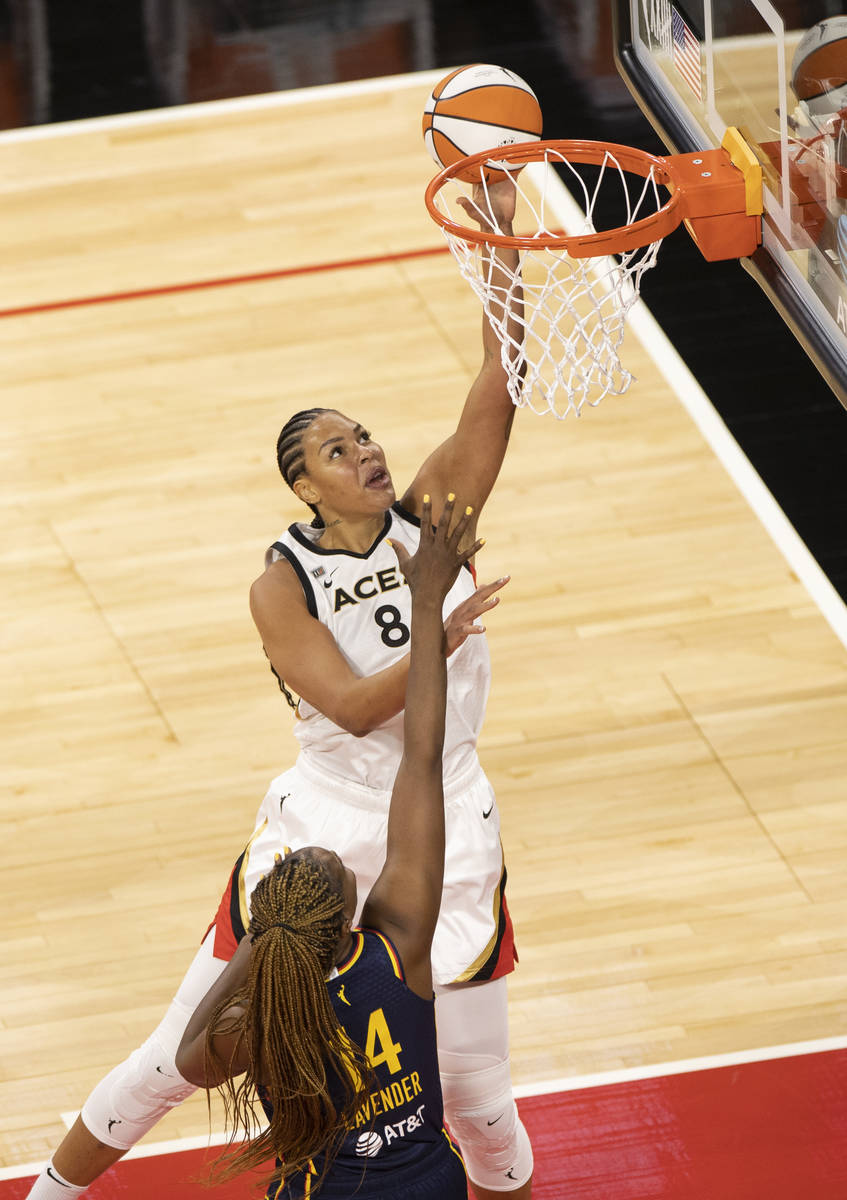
290,456
294,1041
291,460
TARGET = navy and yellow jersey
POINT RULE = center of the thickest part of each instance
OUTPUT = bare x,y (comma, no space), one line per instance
398,1144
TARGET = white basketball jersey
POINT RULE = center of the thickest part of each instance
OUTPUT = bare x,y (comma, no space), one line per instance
366,604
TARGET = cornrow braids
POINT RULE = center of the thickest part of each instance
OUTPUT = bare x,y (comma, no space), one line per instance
296,1046
290,456
291,460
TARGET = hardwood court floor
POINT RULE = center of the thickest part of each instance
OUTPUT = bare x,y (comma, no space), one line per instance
666,727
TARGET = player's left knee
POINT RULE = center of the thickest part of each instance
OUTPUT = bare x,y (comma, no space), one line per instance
480,1110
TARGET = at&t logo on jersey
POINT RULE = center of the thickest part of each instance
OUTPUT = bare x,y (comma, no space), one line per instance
401,1128
368,1144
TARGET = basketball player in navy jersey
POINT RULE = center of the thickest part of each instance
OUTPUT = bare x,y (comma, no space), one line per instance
310,1004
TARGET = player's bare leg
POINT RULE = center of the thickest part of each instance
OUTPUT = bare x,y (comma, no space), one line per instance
81,1157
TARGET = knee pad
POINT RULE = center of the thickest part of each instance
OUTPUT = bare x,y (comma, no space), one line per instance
482,1115
130,1100
127,1104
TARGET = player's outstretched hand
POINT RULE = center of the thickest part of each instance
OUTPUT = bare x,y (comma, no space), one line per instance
432,570
491,205
462,622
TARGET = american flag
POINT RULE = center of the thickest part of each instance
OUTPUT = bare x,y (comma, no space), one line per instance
686,53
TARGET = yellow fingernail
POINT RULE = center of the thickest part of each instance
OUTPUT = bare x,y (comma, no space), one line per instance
451,496
426,500
482,541
468,511
390,542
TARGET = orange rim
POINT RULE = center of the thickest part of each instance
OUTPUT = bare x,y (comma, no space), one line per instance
608,241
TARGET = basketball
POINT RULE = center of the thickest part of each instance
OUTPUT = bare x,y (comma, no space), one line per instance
479,108
819,67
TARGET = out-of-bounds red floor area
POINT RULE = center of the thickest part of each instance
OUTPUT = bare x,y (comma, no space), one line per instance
772,1130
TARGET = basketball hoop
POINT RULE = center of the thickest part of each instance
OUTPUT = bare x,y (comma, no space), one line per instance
561,350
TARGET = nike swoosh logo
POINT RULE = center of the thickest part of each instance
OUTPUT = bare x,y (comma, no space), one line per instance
114,1121
328,581
56,1178
485,817
494,1122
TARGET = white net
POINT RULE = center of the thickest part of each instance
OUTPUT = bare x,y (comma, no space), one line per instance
561,351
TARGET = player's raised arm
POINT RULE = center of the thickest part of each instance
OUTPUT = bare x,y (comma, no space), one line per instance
405,899
470,460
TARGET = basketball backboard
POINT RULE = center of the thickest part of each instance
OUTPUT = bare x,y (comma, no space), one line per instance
698,66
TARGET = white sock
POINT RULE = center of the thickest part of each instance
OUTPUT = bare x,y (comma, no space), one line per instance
51,1186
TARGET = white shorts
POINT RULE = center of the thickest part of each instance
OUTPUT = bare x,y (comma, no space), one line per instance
473,940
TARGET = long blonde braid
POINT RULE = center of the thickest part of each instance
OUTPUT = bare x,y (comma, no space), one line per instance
294,1041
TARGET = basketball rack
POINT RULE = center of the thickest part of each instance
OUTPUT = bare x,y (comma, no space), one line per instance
558,299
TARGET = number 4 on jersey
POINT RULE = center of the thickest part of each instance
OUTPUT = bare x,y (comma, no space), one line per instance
379,1036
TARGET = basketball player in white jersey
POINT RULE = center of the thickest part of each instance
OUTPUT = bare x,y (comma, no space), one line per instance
333,612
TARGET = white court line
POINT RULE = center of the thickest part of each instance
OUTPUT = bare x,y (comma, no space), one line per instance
151,1150
543,1088
215,108
682,1067
708,421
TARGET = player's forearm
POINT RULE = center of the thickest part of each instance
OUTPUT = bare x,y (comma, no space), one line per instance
416,823
371,700
506,298
426,688
191,1054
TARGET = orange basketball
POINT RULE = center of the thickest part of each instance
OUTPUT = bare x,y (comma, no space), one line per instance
479,108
